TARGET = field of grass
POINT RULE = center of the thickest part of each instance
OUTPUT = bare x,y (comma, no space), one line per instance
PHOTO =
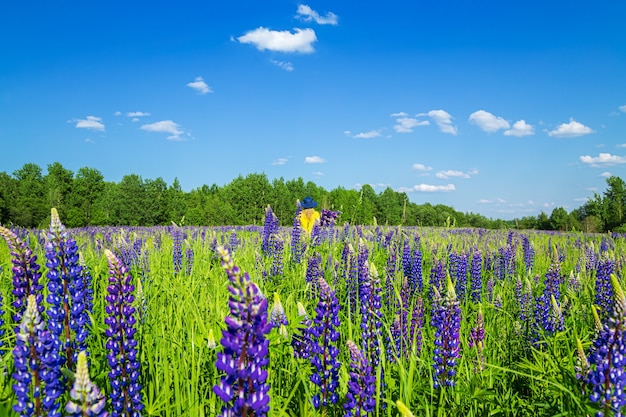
405,299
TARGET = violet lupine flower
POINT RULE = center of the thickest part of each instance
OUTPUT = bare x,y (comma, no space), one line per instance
122,357
301,340
417,323
278,318
297,244
25,275
188,258
65,284
476,276
529,253
37,366
437,277
371,318
446,319
270,228
607,359
243,388
604,292
324,351
407,263
461,275
314,270
86,399
360,400
416,269
477,340
177,249
277,255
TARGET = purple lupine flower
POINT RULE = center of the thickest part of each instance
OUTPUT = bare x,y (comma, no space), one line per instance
25,275
86,399
37,366
416,269
297,245
371,317
360,401
188,258
391,273
122,358
437,277
65,284
476,277
604,292
607,359
177,249
314,270
243,388
529,253
324,351
277,255
446,319
407,263
270,228
417,323
477,340
278,318
461,275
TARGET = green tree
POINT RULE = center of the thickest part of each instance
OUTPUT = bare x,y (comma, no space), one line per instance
559,219
58,184
156,202
7,192
176,204
615,202
29,209
131,200
87,187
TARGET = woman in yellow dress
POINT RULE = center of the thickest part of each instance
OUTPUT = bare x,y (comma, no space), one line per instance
308,215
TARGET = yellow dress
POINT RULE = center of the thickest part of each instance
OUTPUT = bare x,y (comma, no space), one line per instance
308,217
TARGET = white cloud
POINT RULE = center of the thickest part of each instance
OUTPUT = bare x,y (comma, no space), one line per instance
519,129
318,173
444,121
487,121
117,113
307,14
165,126
603,159
314,160
421,168
429,188
281,41
570,130
606,174
401,114
280,161
454,174
200,86
287,66
406,124
90,122
622,108
621,145
367,135
137,114
484,201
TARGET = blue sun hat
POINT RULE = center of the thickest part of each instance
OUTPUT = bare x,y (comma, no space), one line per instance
308,203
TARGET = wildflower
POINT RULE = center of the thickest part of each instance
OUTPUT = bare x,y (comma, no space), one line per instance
177,249
477,340
243,388
361,386
270,228
324,333
122,358
476,276
606,377
446,319
86,399
301,341
278,318
604,293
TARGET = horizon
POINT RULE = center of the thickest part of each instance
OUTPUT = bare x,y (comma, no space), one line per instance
491,109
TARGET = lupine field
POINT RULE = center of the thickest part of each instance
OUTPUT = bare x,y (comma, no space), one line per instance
351,320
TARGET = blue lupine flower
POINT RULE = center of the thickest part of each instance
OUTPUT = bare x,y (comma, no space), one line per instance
37,366
177,249
243,388
604,292
324,351
188,258
477,340
360,399
461,275
416,269
476,276
25,275
277,255
86,399
529,253
371,317
607,359
122,357
437,277
446,319
314,270
301,340
417,323
270,228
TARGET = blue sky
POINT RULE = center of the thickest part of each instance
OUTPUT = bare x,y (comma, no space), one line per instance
501,108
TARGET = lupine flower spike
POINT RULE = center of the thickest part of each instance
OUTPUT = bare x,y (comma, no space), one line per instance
243,388
360,399
446,318
86,398
606,377
121,344
278,317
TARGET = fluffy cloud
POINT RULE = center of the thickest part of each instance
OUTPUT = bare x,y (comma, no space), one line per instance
606,174
287,66
603,159
406,124
367,135
281,41
307,14
520,129
487,121
280,161
314,160
200,86
429,188
165,126
455,174
443,119
90,122
570,130
622,108
421,168
137,114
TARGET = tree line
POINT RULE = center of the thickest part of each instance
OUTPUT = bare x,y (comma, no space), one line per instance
84,198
